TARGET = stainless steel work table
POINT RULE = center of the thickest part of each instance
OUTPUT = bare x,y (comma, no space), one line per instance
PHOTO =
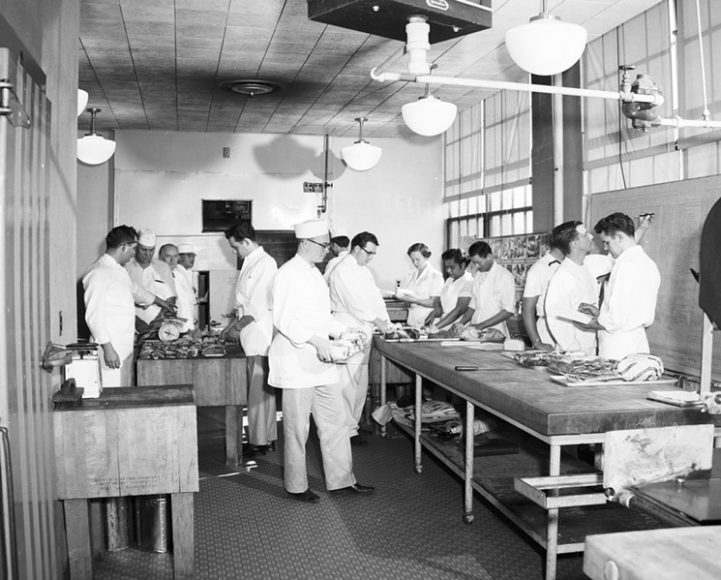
529,400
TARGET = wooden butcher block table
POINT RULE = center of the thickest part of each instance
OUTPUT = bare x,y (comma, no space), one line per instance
128,442
529,400
217,381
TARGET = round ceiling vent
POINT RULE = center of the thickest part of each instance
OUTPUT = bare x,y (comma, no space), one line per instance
250,87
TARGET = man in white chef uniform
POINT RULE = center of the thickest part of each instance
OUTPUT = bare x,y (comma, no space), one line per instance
185,301
299,357
254,323
629,304
571,286
152,274
356,302
110,298
493,294
534,296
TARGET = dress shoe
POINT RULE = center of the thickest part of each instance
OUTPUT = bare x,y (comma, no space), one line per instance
357,440
355,489
250,450
307,496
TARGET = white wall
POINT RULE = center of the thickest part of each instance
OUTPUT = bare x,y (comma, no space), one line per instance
161,178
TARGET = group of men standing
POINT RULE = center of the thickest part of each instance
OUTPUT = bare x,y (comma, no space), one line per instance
588,303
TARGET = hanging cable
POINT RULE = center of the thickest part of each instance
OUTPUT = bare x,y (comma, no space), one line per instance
706,112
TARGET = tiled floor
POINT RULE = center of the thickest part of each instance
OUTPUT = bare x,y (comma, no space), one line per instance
246,527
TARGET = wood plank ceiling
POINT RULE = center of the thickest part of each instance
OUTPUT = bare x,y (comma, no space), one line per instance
157,64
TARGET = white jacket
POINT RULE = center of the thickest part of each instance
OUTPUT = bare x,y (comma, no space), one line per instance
301,310
253,295
425,283
186,297
156,278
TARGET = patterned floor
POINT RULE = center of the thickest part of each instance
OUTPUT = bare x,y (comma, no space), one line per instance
410,529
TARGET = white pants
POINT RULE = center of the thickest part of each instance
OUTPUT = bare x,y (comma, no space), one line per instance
326,405
262,427
354,387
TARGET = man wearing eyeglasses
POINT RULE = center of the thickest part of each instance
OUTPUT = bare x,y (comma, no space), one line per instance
300,358
356,302
110,297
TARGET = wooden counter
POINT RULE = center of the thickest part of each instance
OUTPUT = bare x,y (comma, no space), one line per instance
218,381
669,554
129,441
529,400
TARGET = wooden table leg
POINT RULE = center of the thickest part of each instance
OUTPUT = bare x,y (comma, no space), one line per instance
77,532
233,435
181,506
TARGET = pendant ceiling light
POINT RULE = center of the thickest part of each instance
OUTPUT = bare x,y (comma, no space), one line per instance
82,101
361,156
94,149
429,116
546,46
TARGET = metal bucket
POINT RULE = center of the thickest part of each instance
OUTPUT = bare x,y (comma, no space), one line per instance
118,523
152,523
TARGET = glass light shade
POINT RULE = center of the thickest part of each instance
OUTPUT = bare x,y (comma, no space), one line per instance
361,156
429,116
94,149
82,101
546,46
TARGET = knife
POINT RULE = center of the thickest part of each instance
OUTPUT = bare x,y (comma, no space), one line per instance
474,368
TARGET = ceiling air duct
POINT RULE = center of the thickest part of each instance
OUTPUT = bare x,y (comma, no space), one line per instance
447,18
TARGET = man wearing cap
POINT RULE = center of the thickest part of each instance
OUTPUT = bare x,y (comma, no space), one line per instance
110,298
357,302
339,249
254,323
152,274
185,302
300,363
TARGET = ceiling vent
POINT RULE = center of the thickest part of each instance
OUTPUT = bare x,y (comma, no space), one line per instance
250,87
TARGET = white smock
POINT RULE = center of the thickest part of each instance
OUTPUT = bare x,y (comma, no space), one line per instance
537,279
332,263
110,298
453,290
629,305
571,285
156,278
301,310
253,296
186,297
492,292
425,283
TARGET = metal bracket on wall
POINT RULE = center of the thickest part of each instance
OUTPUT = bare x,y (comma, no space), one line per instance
11,107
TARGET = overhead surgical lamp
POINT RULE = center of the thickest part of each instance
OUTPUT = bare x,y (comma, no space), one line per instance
361,156
94,149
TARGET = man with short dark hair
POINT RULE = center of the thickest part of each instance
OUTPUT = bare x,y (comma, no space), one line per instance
339,250
571,286
253,323
110,298
534,296
356,302
493,293
629,304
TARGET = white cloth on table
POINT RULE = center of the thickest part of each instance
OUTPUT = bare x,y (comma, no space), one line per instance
156,278
571,285
424,283
629,304
110,297
492,292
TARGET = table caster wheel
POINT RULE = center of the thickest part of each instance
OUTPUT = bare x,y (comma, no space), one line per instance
419,469
468,519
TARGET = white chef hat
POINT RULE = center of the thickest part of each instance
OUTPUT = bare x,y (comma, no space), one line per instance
146,238
598,264
186,249
311,229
